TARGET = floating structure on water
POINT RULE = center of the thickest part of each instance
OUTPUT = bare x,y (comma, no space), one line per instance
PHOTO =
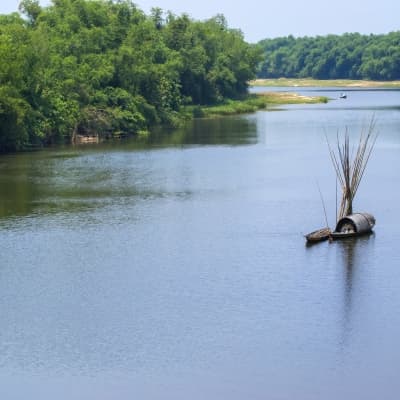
356,224
318,236
349,173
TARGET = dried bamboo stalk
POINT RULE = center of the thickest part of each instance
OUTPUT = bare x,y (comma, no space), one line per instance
350,170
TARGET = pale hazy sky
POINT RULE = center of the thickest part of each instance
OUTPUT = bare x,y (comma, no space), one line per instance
271,18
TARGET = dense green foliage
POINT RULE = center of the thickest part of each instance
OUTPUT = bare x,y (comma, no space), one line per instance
83,66
348,56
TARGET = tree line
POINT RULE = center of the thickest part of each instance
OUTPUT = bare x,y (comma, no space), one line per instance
347,56
79,66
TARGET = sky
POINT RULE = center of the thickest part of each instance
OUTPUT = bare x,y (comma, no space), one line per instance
260,19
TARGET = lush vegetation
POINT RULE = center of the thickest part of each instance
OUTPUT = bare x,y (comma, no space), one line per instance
348,56
307,82
84,66
256,102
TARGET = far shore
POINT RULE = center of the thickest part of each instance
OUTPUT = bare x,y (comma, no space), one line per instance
255,102
286,82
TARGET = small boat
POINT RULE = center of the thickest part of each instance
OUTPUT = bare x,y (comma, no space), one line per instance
352,225
343,96
318,235
349,172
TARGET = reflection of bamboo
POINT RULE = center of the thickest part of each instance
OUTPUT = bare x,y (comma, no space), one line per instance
350,172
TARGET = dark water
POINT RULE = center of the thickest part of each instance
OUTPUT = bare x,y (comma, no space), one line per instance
175,268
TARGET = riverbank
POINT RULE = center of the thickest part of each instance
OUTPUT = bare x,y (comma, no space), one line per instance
254,102
250,104
285,82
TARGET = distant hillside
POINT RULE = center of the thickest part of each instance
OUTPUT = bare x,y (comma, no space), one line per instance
348,56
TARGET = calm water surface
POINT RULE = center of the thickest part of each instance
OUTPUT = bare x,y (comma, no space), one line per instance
175,268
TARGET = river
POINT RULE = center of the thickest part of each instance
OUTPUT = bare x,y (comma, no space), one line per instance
175,267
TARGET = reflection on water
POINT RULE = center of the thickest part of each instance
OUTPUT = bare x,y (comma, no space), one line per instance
354,253
78,179
230,131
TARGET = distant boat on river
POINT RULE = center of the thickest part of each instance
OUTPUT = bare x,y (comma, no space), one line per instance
343,96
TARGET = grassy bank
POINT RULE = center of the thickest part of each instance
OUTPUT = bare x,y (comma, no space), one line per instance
256,102
285,82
